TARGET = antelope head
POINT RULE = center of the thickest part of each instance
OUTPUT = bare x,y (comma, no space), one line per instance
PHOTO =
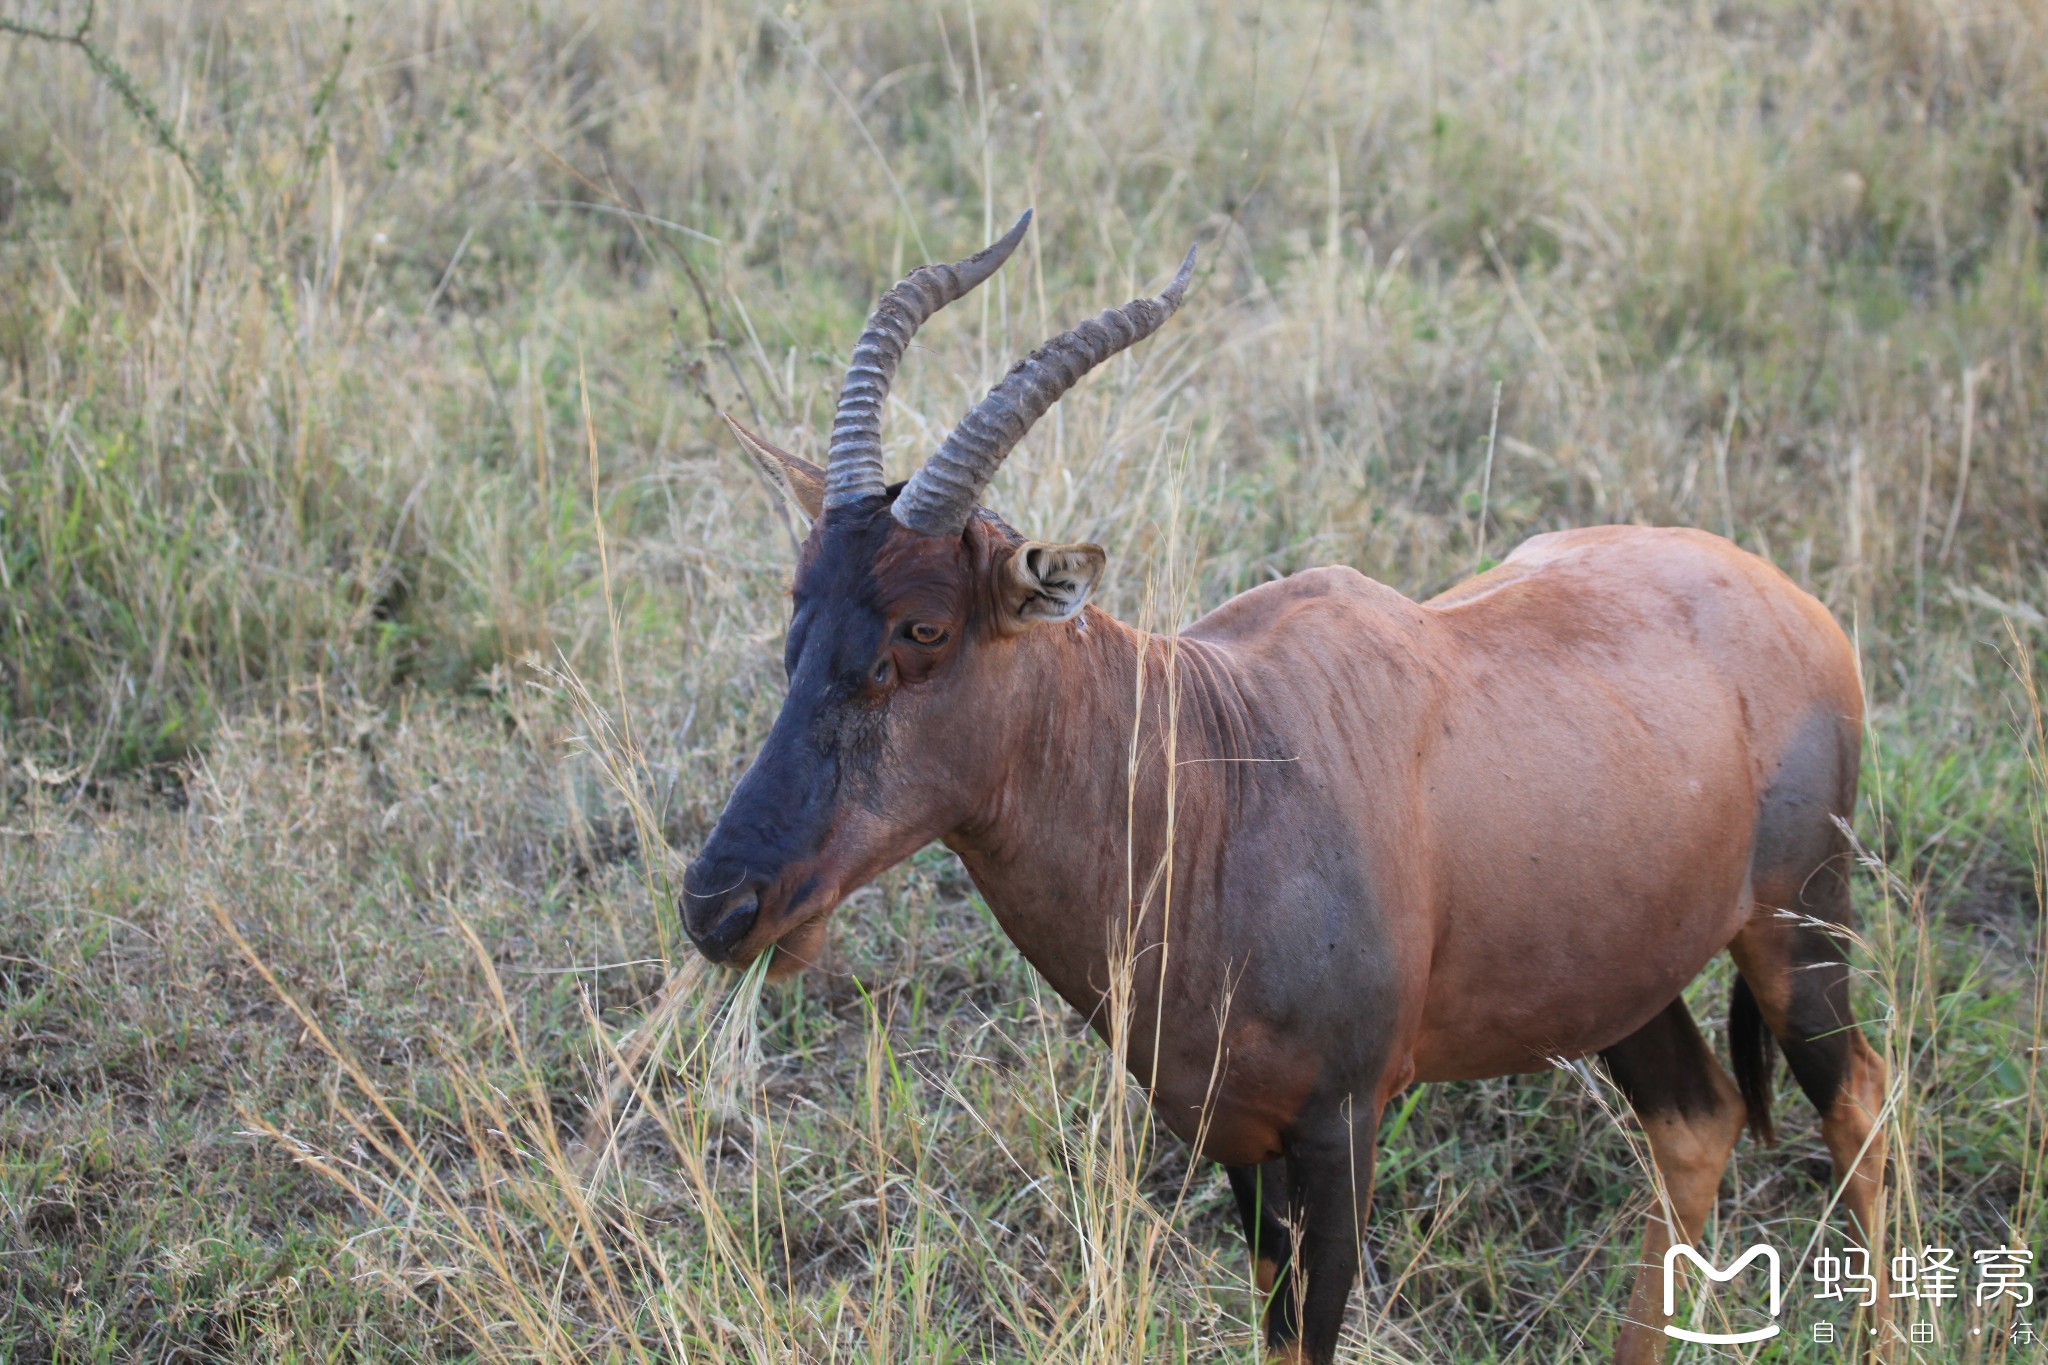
909,607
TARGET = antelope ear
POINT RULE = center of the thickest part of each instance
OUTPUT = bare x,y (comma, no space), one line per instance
802,482
1052,582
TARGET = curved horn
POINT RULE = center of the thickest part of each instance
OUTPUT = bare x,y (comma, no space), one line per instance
941,496
853,460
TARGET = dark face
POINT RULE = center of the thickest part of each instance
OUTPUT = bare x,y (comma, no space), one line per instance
867,761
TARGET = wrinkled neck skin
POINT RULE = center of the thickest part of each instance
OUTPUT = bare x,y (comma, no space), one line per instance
1102,861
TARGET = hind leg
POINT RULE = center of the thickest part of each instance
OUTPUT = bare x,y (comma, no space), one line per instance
1692,1114
1800,981
1795,971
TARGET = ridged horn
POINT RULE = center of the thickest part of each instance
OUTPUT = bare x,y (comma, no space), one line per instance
941,496
853,460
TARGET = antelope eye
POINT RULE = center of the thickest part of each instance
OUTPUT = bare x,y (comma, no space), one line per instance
924,633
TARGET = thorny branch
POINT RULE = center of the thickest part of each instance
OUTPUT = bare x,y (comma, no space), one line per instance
212,185
204,173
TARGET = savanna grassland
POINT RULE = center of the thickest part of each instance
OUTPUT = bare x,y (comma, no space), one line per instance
381,602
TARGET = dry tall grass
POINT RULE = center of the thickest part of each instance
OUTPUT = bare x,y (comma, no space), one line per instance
304,453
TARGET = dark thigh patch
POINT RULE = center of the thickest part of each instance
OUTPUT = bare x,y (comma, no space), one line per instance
1795,828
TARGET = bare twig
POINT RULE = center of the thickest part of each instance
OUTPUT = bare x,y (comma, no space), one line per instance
1972,376
1486,485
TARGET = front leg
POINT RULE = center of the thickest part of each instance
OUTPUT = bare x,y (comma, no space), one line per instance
1329,1183
1261,1193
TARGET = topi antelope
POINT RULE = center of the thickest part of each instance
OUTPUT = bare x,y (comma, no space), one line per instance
1404,842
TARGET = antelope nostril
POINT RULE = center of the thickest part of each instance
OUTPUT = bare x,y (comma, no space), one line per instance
733,926
718,923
